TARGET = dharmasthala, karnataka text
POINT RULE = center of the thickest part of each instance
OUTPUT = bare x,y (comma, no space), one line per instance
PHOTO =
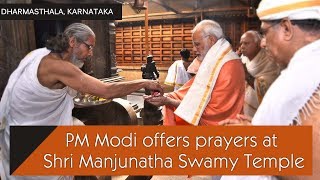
89,11
31,11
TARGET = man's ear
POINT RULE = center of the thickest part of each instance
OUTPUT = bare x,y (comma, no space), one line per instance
287,29
213,39
72,41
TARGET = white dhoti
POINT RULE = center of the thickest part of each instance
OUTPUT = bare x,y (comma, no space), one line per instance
26,102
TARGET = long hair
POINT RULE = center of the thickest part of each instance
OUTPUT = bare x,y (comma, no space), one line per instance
60,43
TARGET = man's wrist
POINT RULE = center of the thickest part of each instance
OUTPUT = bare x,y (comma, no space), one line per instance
144,82
166,100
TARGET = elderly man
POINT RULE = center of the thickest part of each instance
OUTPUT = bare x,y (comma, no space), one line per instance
39,90
260,68
217,90
292,36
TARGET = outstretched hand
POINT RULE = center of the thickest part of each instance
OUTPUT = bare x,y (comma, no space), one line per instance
154,85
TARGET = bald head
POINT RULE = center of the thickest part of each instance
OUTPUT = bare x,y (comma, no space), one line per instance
250,44
253,34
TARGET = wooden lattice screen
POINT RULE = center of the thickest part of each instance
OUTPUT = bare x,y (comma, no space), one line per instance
165,43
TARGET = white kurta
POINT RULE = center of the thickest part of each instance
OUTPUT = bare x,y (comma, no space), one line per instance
265,72
26,102
289,93
177,75
292,89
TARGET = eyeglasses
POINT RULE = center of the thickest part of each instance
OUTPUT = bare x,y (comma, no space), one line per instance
90,47
264,32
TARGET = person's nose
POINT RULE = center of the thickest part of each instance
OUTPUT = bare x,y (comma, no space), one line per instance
194,49
90,53
242,47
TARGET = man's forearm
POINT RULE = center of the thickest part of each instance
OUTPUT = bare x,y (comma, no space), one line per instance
120,89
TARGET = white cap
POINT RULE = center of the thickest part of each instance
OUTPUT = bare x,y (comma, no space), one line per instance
293,9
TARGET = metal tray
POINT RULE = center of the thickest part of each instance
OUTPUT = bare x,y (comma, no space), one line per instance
85,102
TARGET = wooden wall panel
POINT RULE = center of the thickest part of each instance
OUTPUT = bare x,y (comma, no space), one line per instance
166,40
17,39
165,43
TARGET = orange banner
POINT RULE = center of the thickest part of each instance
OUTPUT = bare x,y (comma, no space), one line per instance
179,150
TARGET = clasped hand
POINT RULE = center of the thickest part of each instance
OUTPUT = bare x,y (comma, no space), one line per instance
155,86
156,99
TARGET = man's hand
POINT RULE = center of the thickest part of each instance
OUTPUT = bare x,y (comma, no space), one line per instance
156,100
154,85
244,117
241,120
159,99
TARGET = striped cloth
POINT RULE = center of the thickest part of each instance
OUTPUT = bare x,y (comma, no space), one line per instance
293,9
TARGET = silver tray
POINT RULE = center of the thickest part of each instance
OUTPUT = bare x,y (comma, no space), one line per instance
85,102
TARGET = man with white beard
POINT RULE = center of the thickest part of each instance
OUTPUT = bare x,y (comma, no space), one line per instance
39,90
217,90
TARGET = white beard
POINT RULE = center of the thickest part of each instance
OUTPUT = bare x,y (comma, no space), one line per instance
206,49
75,61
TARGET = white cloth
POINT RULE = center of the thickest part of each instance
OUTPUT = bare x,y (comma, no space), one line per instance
177,75
265,71
262,65
251,102
296,84
26,102
199,94
194,66
292,89
244,59
293,9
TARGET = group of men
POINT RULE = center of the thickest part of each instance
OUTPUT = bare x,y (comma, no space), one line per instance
39,91
291,38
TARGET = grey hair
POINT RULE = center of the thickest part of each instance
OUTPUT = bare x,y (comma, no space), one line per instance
79,31
209,27
256,35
